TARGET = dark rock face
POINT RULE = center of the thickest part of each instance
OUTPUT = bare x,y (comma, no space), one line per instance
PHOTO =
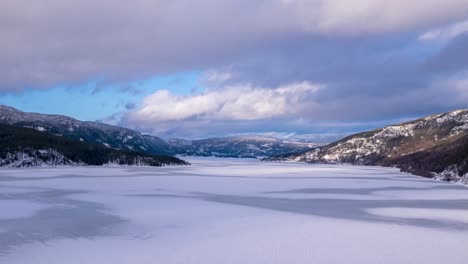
435,146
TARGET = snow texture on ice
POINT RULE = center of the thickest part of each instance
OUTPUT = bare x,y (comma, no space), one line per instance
230,211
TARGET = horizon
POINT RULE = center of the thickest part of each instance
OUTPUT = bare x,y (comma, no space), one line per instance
319,139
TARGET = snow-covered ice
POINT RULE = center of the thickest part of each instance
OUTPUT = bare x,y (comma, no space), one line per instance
230,211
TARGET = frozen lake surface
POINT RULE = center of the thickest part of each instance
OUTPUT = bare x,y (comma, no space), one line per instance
230,211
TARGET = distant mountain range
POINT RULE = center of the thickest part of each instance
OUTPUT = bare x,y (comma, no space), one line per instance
434,146
238,146
117,139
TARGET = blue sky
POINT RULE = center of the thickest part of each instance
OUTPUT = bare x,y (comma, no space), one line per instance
95,100
193,69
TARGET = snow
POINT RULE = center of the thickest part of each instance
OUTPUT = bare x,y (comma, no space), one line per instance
360,147
30,158
395,141
12,209
422,213
127,138
396,131
230,211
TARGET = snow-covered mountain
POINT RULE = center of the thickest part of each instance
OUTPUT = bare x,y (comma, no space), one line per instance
26,147
98,133
126,139
238,146
434,146
313,139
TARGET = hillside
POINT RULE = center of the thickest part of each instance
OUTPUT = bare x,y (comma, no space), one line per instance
434,146
98,133
26,147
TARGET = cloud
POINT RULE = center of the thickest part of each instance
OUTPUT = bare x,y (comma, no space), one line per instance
55,42
216,77
241,102
446,33
451,58
375,16
130,105
306,66
302,108
455,85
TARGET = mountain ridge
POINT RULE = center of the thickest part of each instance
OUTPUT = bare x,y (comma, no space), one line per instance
26,147
237,146
114,137
94,132
435,146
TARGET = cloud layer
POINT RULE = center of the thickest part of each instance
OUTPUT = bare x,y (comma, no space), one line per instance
54,41
280,65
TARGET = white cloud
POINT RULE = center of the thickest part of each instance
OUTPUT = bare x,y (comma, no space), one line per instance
446,33
236,102
375,16
214,77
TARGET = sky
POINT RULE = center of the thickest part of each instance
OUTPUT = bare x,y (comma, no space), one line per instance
194,69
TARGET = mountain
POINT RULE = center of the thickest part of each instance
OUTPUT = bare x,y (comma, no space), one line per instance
238,147
119,138
98,133
26,147
434,146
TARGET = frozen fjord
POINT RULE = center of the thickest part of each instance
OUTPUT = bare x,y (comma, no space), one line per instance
230,211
